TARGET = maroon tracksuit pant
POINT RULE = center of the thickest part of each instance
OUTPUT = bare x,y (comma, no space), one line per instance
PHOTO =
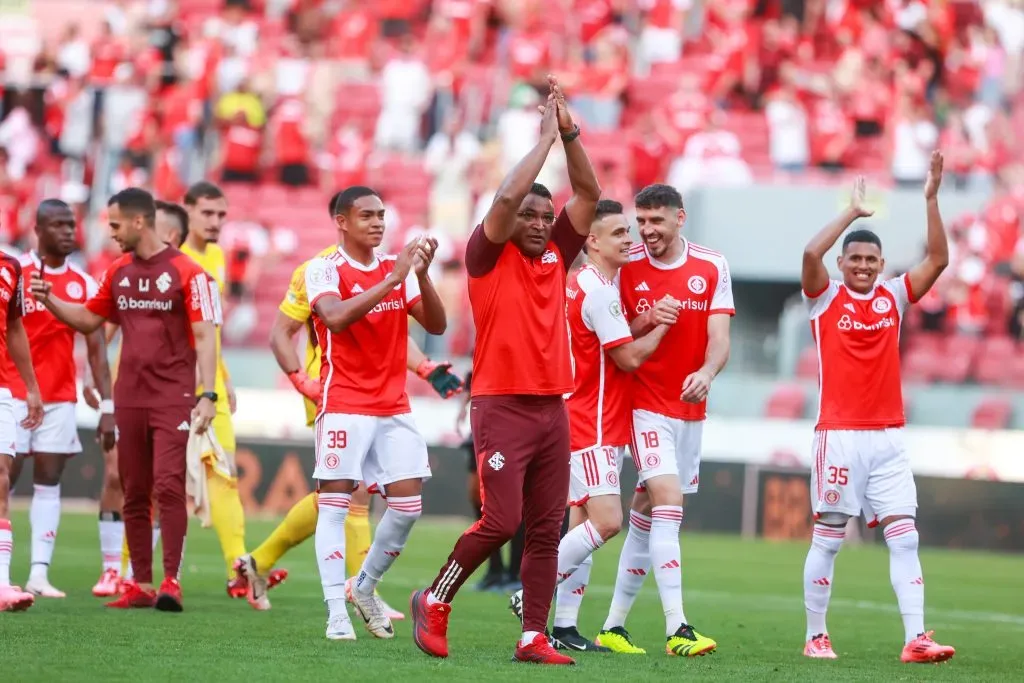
151,444
522,450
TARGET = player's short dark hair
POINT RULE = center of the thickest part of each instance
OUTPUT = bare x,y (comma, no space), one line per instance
658,196
331,204
50,205
607,207
540,191
346,199
863,236
135,201
203,189
180,215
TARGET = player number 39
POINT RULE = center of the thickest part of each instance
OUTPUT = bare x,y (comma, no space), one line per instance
337,439
838,475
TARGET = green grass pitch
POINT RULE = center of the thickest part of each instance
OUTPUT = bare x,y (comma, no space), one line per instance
745,594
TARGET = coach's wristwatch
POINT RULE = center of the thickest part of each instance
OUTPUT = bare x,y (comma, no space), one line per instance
212,395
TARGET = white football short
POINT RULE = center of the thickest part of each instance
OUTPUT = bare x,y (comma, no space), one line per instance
8,425
58,432
594,472
366,448
865,471
667,445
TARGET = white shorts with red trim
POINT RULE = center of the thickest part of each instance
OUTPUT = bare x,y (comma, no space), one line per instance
594,472
366,448
857,471
58,432
667,445
8,425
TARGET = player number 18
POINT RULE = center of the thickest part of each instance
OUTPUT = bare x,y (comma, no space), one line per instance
838,475
337,438
650,439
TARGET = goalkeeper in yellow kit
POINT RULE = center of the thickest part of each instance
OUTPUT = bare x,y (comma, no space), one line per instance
300,523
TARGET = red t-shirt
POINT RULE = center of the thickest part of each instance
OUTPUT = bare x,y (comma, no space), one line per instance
106,55
13,304
156,301
700,281
353,33
52,343
828,123
242,148
364,366
290,144
518,308
527,52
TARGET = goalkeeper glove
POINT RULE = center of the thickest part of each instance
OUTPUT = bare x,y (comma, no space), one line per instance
305,385
445,383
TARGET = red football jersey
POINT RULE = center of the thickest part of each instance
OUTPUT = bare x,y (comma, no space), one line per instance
858,340
13,304
599,406
700,281
363,368
518,308
52,342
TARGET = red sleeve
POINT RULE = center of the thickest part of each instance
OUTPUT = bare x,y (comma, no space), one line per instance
481,253
102,302
569,242
16,306
202,302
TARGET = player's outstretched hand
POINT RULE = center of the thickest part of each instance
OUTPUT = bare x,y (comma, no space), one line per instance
931,185
424,256
565,122
106,433
39,287
665,311
441,378
407,259
549,118
35,411
203,414
858,198
696,387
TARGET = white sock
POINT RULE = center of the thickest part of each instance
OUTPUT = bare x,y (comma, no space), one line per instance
330,547
570,595
389,540
634,565
431,600
44,516
156,536
906,576
528,637
575,547
6,548
666,560
818,569
111,539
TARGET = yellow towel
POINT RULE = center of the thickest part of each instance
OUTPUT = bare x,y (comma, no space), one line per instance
203,447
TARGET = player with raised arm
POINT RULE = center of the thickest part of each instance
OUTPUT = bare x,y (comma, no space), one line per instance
13,343
293,315
517,261
167,307
670,392
603,353
52,345
361,305
860,461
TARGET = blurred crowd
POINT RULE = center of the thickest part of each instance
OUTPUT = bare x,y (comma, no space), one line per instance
432,101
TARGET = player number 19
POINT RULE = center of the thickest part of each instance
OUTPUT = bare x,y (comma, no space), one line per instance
337,439
838,475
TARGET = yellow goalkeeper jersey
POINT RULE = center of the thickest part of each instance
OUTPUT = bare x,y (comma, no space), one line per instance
213,262
296,306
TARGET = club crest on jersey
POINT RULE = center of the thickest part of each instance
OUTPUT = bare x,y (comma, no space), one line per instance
643,305
331,461
881,305
652,460
163,283
697,284
549,257
74,290
832,497
496,461
613,479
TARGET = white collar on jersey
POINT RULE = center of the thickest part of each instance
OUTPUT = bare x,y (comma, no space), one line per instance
866,296
356,264
669,266
34,255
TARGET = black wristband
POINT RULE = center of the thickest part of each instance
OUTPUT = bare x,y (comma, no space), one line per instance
208,394
571,135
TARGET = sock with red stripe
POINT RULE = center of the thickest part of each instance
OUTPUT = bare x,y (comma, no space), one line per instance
818,569
111,539
6,548
905,573
570,595
575,547
634,565
329,540
44,518
666,559
389,541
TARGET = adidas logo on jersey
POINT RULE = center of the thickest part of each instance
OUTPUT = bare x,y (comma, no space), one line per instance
125,282
642,287
356,289
183,427
850,307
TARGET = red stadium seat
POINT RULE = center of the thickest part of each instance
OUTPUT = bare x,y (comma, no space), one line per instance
788,402
993,412
922,365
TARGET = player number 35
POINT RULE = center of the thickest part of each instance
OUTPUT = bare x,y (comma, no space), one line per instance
838,475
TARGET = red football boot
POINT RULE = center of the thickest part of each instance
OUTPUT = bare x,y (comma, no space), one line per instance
539,651
133,596
430,624
169,596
